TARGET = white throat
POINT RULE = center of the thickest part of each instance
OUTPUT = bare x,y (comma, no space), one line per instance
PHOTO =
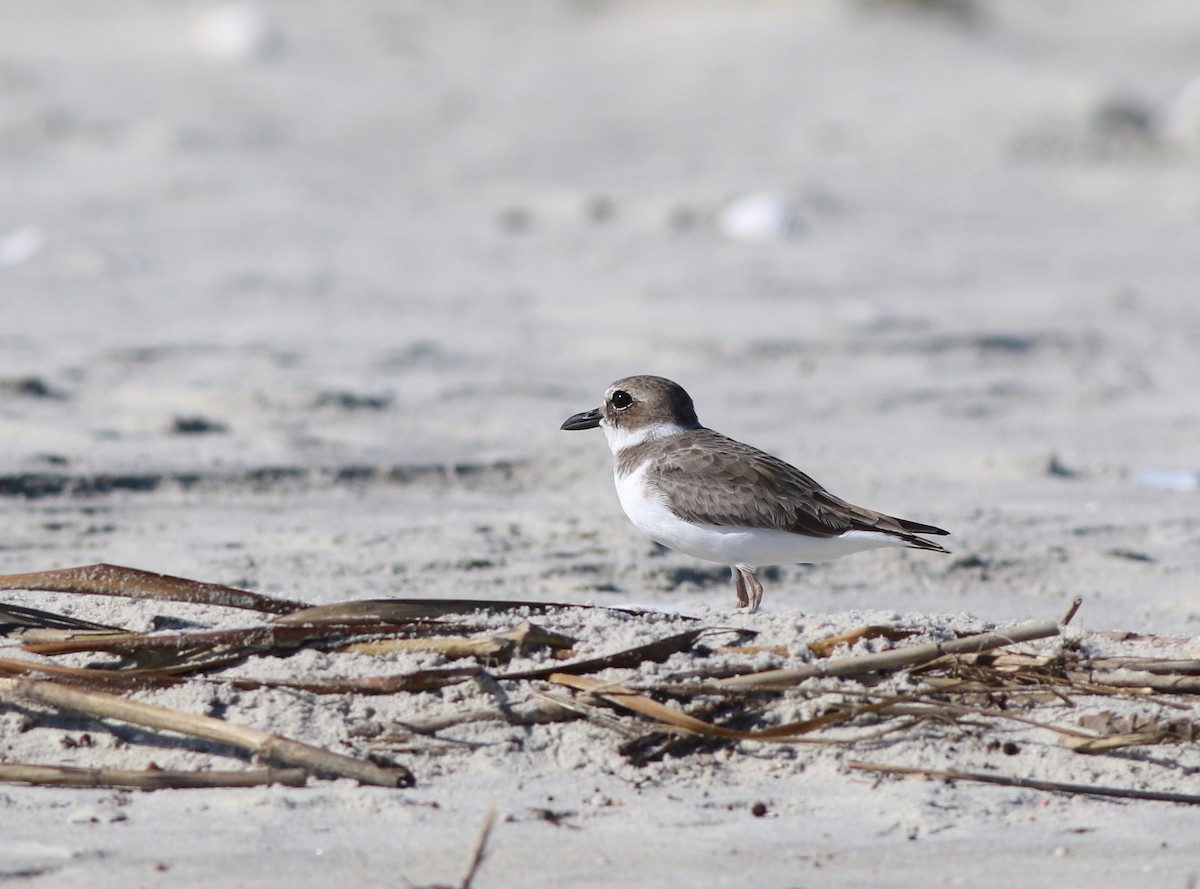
619,439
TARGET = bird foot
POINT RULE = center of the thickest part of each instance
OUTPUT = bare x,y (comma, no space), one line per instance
749,590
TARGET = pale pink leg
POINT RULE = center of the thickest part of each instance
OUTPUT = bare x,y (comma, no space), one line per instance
749,590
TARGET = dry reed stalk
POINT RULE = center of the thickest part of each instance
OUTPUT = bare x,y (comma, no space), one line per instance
639,703
146,779
1009,661
825,647
1030,693
107,679
746,650
133,583
655,652
1030,783
534,713
1174,666
256,741
421,680
126,679
400,610
242,640
1132,683
593,714
29,620
1141,638
494,646
480,850
1150,737
894,659
953,712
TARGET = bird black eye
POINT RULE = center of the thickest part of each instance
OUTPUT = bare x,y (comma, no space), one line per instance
621,399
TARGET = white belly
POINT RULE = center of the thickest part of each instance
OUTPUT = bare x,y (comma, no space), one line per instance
751,547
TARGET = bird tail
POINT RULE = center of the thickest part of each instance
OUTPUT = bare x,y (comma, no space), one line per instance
912,529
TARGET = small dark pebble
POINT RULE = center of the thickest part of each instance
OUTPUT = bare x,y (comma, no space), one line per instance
1058,469
353,401
967,562
1130,554
1010,749
758,810
196,426
1124,117
600,210
32,387
516,220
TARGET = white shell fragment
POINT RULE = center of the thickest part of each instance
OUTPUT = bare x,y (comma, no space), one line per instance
98,814
759,217
21,245
1169,479
235,32
1179,120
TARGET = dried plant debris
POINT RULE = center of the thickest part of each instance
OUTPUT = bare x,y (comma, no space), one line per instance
114,580
426,679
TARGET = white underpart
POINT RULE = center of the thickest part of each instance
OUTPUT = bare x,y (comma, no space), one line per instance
748,547
619,439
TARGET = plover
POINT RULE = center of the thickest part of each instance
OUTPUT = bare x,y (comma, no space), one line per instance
714,498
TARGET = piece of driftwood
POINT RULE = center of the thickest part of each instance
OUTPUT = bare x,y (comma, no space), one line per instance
893,659
146,779
256,741
1190,799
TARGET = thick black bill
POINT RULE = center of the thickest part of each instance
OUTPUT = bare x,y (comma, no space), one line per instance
586,420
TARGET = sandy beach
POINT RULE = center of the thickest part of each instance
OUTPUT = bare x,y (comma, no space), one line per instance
297,296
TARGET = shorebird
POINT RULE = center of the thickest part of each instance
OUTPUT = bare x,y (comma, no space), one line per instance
700,492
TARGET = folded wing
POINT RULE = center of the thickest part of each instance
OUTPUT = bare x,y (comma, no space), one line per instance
712,479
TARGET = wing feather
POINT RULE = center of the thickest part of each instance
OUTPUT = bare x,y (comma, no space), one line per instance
712,479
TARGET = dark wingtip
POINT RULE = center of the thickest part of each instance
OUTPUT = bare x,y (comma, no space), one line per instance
918,528
913,529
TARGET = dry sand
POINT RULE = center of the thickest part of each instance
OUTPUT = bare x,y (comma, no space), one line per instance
240,256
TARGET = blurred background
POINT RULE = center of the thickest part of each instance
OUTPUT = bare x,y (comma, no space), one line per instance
943,254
